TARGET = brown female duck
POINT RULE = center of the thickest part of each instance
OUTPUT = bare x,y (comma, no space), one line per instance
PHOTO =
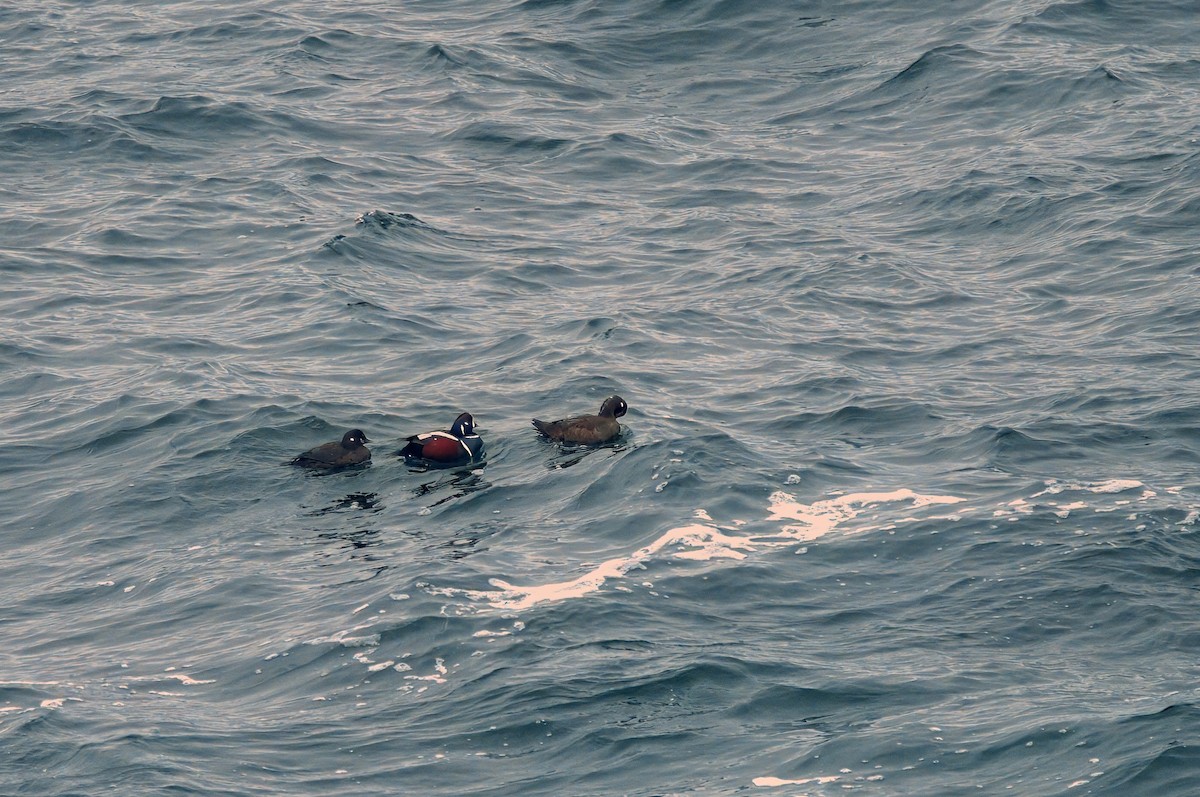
587,429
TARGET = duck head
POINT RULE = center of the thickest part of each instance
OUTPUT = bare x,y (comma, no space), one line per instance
354,438
613,407
463,426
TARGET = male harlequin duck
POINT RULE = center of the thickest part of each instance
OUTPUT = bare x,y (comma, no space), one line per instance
587,429
349,451
458,446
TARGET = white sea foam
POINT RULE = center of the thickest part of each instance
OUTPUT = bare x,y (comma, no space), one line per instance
777,782
187,680
184,679
438,676
1054,487
788,521
822,517
705,541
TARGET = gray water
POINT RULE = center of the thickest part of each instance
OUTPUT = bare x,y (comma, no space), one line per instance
902,298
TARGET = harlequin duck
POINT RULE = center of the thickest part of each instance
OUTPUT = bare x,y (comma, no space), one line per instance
458,446
587,429
349,451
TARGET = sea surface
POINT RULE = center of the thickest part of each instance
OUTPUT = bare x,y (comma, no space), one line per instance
904,298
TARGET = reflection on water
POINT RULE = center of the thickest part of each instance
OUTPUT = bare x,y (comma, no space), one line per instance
462,545
353,502
570,455
458,483
358,535
359,538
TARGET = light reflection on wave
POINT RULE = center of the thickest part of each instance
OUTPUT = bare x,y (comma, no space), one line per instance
704,540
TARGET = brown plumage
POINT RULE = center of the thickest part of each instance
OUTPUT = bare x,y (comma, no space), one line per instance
587,429
347,451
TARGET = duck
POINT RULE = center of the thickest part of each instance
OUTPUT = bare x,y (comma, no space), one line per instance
587,429
458,446
350,450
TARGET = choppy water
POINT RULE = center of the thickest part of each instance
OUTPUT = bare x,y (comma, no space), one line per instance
902,297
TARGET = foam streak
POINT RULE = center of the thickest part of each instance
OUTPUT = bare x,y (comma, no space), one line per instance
701,541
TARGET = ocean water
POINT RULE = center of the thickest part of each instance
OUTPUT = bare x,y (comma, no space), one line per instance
902,296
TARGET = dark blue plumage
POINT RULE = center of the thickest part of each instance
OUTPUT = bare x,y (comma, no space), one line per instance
458,446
